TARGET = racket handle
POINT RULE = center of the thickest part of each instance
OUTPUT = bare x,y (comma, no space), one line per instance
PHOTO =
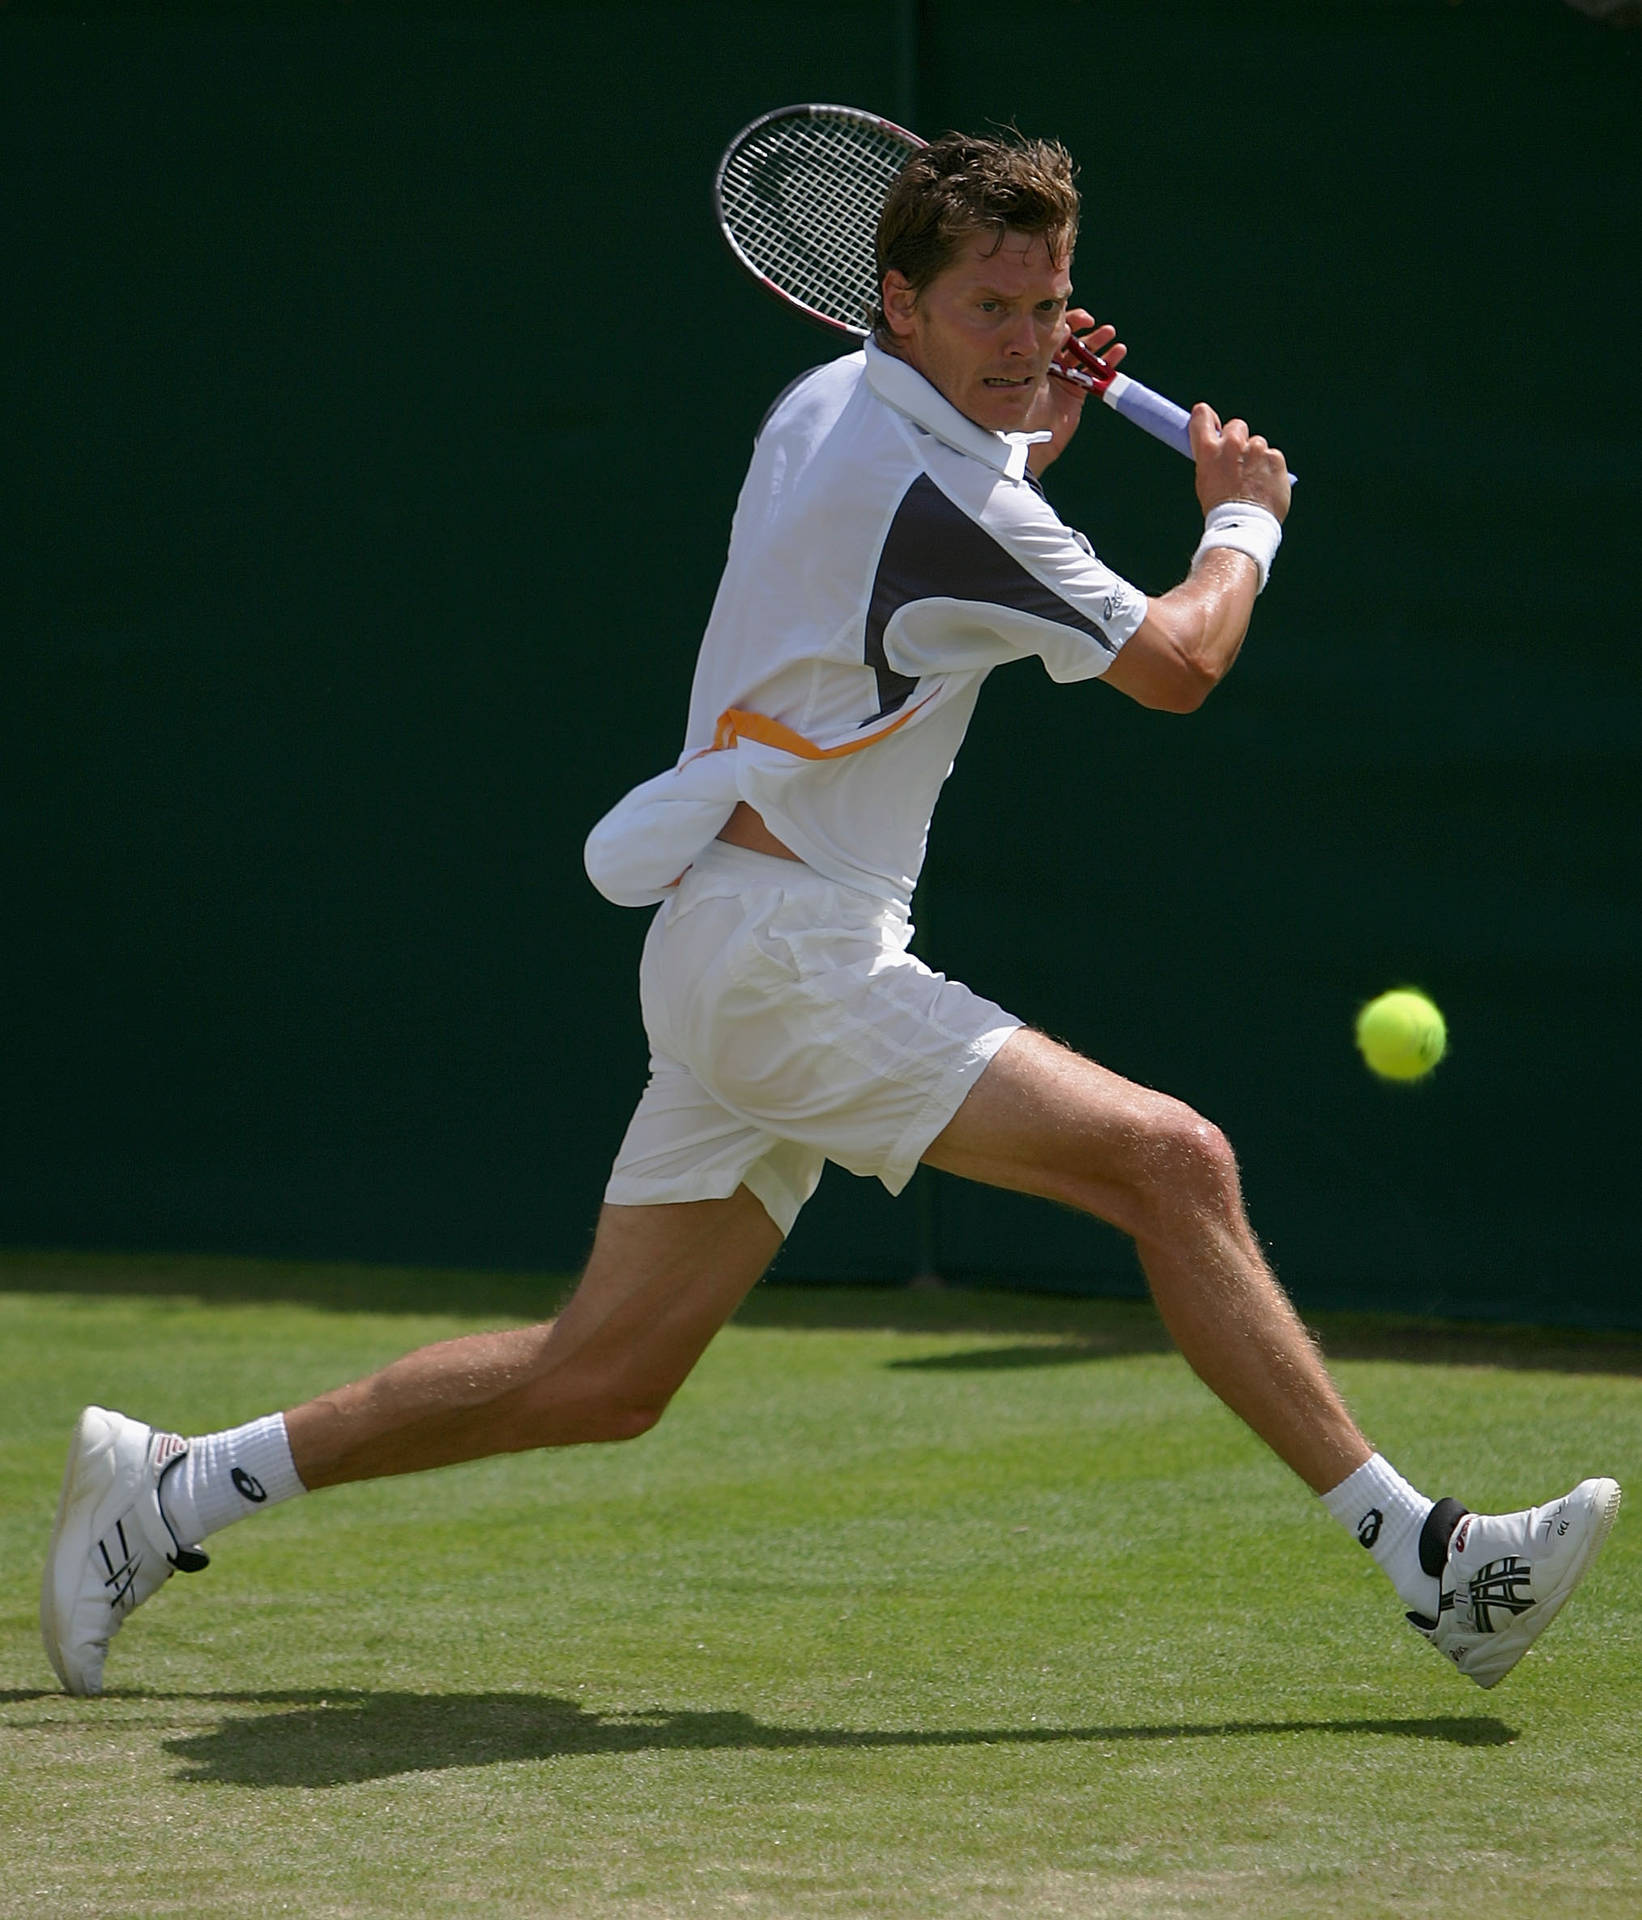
1149,411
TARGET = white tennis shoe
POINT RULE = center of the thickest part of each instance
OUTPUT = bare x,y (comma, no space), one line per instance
112,1545
1506,1576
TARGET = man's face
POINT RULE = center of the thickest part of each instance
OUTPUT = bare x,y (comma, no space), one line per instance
985,329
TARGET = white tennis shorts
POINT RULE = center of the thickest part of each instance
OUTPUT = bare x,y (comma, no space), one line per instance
789,1026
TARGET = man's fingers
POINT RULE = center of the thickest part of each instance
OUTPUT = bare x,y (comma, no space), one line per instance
1083,337
1204,428
1235,464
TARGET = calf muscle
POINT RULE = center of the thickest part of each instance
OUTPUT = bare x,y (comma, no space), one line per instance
1043,1120
660,1283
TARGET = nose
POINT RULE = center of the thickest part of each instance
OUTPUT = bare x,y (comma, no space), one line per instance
1022,338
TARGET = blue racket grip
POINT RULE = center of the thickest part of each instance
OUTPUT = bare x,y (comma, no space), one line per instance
1149,411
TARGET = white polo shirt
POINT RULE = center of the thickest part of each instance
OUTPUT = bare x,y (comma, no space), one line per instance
887,553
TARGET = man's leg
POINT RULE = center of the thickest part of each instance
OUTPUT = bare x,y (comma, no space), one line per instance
1043,1120
660,1283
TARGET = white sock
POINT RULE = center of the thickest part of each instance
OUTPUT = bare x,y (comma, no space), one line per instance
1385,1514
228,1476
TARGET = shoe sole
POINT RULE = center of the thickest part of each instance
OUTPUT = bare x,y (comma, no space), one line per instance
76,1506
1609,1494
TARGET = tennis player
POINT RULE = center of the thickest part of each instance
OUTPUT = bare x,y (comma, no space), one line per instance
891,547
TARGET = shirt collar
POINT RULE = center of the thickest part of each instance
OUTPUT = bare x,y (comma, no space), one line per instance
908,392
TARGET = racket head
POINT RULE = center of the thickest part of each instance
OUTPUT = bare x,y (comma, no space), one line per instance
797,197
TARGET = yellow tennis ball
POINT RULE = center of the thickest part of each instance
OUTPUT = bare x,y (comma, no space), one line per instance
1401,1035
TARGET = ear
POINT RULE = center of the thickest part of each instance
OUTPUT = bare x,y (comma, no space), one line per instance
900,303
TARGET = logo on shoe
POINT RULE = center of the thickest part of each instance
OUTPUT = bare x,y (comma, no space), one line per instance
1368,1528
1461,1534
1501,1586
123,1577
248,1485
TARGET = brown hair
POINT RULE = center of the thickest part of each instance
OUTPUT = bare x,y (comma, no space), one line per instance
963,184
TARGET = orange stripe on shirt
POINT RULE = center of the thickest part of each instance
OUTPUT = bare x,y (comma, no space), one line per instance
736,723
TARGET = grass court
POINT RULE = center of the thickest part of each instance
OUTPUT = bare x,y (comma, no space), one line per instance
917,1603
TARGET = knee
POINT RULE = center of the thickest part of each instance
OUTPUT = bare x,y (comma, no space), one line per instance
619,1418
1180,1165
586,1409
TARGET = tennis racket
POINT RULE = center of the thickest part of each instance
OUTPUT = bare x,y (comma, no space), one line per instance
798,193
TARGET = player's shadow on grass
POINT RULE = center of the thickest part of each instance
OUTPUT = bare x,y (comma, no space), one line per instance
346,1737
1043,1353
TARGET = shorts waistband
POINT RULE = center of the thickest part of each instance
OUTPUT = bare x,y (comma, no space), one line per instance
720,859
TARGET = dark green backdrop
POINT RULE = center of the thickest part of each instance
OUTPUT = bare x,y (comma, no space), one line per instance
378,397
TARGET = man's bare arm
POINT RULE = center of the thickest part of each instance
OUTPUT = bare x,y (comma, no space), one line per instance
1191,635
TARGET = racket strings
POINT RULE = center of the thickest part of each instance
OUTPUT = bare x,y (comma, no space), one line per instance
801,200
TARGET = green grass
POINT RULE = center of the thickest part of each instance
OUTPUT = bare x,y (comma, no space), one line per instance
917,1604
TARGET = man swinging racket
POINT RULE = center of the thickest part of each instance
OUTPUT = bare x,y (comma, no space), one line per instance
891,547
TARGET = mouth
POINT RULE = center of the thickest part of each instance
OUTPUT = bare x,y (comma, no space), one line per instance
999,384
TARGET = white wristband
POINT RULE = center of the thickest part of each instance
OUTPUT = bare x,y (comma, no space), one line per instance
1246,528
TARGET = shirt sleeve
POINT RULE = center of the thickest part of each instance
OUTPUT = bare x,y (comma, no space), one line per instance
965,583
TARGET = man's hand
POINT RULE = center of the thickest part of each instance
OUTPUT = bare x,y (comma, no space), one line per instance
1060,405
1234,464
1191,635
